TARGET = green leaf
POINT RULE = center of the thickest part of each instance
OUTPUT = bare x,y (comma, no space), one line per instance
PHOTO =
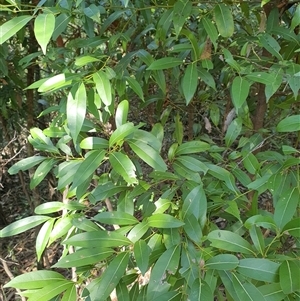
84,60
251,163
259,269
135,86
101,287
34,280
161,220
257,238
233,131
94,143
76,110
53,83
286,207
192,147
182,10
84,224
262,77
44,25
23,225
43,237
51,290
210,30
192,229
190,81
106,190
41,172
61,227
165,63
121,113
138,231
141,253
293,227
266,222
103,87
270,44
296,18
289,277
200,290
272,292
230,60
239,91
224,20
244,290
166,264
11,27
229,241
104,239
271,89
192,203
88,166
25,164
122,292
66,173
120,133
84,257
206,77
222,262
147,154
70,294
192,164
123,166
115,217
61,23
289,124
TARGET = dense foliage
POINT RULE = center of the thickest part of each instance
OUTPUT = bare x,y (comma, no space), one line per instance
172,130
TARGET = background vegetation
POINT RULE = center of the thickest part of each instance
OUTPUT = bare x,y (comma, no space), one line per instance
166,134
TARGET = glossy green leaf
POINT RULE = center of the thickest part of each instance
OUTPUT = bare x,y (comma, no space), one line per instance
23,225
230,60
244,290
207,78
103,87
166,264
165,63
92,161
101,287
192,203
123,166
84,224
289,124
135,86
286,207
161,220
229,241
224,20
104,239
288,277
84,256
293,227
11,27
192,229
192,163
76,110
66,173
251,163
122,292
211,30
84,60
270,44
35,279
182,10
53,83
44,25
70,294
296,18
41,172
104,191
61,23
60,228
120,133
25,164
233,131
259,269
138,231
94,143
189,82
222,262
43,237
271,89
266,222
121,113
141,254
239,91
115,217
192,147
51,290
147,154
